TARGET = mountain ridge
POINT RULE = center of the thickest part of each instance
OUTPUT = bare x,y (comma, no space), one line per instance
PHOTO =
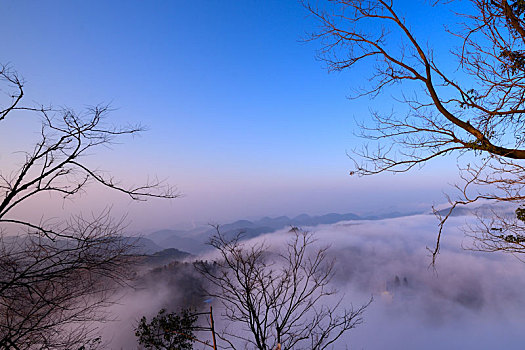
194,240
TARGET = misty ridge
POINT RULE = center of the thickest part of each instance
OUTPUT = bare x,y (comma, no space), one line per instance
383,258
194,240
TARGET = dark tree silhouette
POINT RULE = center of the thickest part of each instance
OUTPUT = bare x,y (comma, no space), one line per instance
476,109
56,276
277,300
170,331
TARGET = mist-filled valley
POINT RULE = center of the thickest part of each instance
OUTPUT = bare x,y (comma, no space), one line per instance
463,301
271,175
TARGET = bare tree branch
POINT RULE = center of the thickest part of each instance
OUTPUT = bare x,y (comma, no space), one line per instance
481,115
57,276
280,298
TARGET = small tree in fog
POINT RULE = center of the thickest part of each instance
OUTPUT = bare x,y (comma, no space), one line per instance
171,331
277,300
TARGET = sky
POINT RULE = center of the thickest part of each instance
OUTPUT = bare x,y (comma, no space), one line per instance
244,119
240,114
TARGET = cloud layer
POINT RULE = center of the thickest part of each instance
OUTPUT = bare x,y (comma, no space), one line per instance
470,300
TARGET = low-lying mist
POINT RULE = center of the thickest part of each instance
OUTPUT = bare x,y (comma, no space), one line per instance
468,300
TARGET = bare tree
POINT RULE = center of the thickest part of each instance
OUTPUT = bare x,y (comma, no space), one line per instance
280,299
57,275
477,109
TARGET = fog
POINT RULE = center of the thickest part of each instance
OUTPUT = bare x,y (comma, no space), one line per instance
469,300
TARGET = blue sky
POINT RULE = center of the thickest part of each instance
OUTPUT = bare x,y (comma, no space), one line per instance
241,116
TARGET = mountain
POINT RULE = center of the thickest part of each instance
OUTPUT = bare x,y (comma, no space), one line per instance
485,209
194,241
391,215
141,245
166,256
177,240
458,211
164,234
137,245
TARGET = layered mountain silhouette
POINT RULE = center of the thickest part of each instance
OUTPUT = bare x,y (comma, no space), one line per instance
194,240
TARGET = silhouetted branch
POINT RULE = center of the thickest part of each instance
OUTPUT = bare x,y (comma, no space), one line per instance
481,115
280,298
57,276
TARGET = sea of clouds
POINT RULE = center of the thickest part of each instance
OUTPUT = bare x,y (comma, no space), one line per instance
468,300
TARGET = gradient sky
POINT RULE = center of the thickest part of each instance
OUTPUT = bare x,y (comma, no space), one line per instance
241,116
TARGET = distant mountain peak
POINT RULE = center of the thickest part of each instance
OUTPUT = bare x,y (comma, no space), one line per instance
194,241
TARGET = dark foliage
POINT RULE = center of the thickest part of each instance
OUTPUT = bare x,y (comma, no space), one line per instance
170,331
